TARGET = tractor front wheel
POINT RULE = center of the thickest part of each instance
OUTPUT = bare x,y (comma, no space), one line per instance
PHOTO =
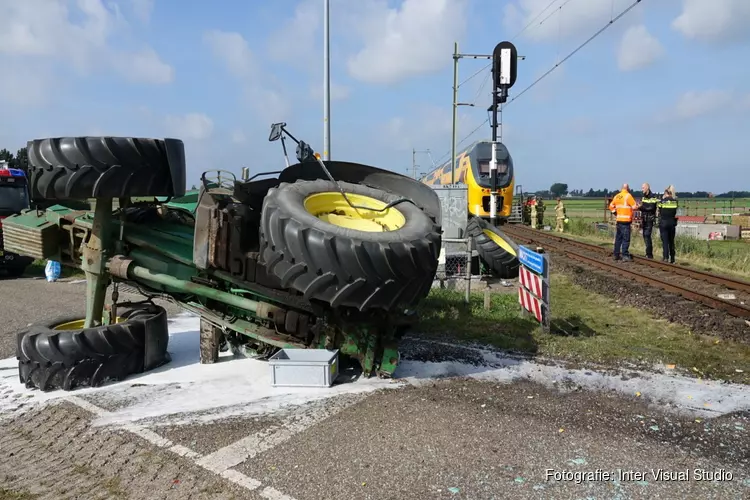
495,248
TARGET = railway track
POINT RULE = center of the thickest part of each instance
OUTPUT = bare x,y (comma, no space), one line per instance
692,284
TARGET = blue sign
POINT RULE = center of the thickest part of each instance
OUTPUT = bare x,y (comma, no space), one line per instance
532,260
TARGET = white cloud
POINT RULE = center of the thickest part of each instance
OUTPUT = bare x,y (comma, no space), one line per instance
79,38
422,124
260,91
638,49
338,92
562,21
145,67
714,20
142,9
190,126
412,40
233,51
295,42
693,104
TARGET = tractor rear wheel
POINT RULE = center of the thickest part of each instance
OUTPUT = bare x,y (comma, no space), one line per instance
62,354
79,168
332,253
495,248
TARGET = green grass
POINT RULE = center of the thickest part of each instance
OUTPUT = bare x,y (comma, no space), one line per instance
586,328
594,207
727,257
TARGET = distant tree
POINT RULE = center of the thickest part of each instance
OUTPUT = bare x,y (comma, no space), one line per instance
22,159
558,189
6,155
193,188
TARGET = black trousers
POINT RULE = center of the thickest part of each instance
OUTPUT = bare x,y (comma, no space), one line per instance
648,228
667,230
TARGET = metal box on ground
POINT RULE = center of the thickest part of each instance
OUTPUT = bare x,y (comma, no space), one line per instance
304,368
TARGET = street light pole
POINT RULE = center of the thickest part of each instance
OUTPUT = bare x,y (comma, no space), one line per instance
326,83
455,106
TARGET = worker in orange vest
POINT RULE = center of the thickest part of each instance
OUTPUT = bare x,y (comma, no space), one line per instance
622,206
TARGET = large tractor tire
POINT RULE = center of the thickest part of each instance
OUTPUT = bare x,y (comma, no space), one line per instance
319,246
62,354
79,168
495,248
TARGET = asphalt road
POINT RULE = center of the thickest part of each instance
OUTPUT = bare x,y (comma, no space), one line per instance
450,438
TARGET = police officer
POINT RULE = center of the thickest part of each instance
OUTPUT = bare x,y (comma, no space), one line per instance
668,223
648,217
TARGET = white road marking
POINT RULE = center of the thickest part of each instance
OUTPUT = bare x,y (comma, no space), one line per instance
232,475
184,451
238,477
254,444
273,494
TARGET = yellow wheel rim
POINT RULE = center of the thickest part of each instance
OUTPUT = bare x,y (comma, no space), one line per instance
77,324
499,241
332,208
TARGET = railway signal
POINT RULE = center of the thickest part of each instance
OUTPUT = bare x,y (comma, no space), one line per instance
504,70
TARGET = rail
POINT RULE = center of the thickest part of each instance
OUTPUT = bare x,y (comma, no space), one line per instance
689,290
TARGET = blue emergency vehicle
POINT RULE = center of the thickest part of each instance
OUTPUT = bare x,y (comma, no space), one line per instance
14,197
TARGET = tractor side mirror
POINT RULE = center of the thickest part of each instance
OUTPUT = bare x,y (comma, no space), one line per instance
276,130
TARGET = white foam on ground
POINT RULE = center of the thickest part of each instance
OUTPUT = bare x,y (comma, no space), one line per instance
184,390
701,397
233,386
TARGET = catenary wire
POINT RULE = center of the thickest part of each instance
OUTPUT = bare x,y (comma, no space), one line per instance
535,82
534,19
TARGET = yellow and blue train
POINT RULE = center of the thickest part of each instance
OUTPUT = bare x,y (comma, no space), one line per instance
472,168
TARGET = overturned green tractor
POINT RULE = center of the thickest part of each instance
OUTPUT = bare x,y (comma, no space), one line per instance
332,255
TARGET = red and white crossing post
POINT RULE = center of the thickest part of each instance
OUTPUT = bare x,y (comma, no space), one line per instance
533,285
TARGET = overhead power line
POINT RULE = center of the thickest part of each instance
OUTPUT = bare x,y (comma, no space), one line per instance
553,68
475,74
534,19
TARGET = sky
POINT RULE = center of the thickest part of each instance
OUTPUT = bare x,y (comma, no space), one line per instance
661,96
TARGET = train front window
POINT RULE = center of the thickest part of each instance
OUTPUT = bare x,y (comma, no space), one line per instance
484,168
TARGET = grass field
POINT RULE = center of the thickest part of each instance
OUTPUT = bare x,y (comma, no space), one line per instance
727,257
706,207
586,327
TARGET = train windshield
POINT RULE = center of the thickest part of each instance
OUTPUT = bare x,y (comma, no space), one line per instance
481,166
484,168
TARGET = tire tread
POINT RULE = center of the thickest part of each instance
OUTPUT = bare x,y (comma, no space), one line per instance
79,168
341,270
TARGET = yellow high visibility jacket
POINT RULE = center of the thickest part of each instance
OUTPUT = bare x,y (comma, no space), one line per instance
623,204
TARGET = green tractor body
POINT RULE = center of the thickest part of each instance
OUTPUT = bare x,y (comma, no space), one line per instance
291,261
